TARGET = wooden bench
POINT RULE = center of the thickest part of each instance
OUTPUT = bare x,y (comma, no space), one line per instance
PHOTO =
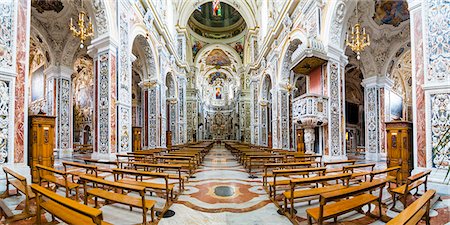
90,170
291,172
186,162
389,178
412,182
159,167
107,165
166,187
287,165
123,159
343,204
65,209
415,211
337,163
259,161
20,183
293,194
355,174
131,201
57,181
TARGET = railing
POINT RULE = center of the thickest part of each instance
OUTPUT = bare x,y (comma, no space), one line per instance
310,110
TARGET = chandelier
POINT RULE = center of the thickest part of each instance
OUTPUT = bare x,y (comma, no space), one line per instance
359,38
85,29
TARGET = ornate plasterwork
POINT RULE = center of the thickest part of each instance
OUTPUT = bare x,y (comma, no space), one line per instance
438,40
335,109
440,123
336,26
4,120
153,112
103,103
124,96
100,17
64,113
372,117
7,32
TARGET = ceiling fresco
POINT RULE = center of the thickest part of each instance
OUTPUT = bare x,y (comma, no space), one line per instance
390,12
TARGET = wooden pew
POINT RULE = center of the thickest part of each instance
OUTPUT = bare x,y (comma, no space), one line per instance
260,160
59,182
65,209
20,183
355,174
125,158
389,178
162,168
335,163
343,204
166,187
293,194
107,165
186,162
412,182
291,172
415,211
88,169
287,165
131,201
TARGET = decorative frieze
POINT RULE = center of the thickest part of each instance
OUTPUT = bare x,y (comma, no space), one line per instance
103,103
440,123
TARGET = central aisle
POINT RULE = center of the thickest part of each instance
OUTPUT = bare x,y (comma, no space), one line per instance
222,193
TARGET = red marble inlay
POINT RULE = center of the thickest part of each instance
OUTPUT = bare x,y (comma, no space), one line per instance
21,62
112,103
420,96
206,193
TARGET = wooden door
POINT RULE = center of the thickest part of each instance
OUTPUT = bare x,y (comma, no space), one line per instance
399,147
300,141
137,135
41,142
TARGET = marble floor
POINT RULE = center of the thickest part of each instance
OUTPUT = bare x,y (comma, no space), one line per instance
221,192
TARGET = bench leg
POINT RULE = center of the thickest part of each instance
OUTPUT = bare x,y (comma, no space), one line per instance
144,215
309,220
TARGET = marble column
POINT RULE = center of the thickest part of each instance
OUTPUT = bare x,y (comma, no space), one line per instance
263,127
336,118
309,139
254,111
153,109
103,51
182,110
283,105
173,119
59,104
376,97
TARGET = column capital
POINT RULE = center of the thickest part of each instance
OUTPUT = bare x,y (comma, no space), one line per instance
58,72
101,44
149,83
376,81
414,5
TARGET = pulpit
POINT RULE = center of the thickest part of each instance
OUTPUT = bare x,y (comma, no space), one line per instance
399,147
41,142
137,135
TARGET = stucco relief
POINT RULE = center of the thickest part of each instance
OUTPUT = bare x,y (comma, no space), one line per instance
7,33
4,120
440,122
438,40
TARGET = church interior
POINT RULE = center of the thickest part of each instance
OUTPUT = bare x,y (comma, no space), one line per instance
216,112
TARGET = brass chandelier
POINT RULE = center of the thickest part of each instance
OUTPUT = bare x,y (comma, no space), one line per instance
359,38
85,29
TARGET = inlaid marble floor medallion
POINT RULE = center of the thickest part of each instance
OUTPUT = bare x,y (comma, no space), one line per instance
224,191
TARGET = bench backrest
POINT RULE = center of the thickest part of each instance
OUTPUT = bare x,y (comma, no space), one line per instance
415,211
113,184
351,191
95,214
282,172
386,171
89,168
139,173
49,169
320,179
9,171
413,178
350,168
340,162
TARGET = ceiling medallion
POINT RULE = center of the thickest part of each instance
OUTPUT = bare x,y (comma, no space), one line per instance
359,39
85,30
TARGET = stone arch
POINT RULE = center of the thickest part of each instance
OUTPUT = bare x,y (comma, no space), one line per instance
149,50
337,16
266,86
243,8
142,49
290,44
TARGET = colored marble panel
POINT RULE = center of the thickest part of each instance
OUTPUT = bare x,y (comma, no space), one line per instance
112,104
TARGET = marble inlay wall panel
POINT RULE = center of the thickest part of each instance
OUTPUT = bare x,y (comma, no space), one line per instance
7,33
112,103
371,113
21,73
5,91
64,126
440,123
103,103
418,73
335,109
153,109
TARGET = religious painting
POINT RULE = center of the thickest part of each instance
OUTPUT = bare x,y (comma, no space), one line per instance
214,77
239,49
218,93
218,57
396,103
196,46
390,12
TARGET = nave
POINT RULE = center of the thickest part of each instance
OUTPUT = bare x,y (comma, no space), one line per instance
229,183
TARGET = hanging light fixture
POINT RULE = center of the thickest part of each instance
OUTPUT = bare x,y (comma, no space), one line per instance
85,29
359,38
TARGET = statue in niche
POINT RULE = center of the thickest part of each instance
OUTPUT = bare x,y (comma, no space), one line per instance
218,93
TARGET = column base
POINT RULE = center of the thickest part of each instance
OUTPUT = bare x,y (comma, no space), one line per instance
103,156
64,153
373,156
21,168
436,180
330,158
